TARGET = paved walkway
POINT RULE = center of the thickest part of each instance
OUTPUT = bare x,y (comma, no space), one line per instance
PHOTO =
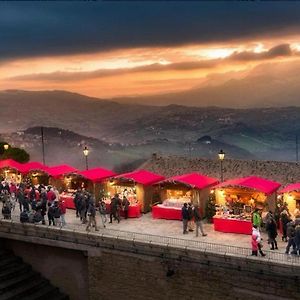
172,228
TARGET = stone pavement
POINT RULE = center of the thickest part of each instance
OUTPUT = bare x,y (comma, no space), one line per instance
173,228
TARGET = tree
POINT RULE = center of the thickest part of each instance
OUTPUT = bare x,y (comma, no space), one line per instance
210,209
17,154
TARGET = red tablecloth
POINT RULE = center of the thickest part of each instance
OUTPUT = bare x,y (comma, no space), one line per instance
134,211
165,212
69,200
232,225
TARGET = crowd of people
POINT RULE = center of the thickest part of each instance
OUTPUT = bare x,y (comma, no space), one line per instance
42,204
290,232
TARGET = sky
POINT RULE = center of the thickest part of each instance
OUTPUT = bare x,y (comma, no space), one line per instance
116,49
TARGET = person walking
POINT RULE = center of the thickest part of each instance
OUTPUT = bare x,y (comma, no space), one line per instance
77,201
102,211
57,213
257,237
198,220
63,210
290,232
256,218
271,229
185,217
191,215
91,212
114,207
297,234
125,205
284,219
51,214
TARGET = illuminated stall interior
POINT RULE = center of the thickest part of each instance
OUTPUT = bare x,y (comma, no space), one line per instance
10,170
97,181
239,197
36,172
193,187
61,177
137,186
291,196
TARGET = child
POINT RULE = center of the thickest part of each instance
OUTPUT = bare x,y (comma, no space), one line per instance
254,244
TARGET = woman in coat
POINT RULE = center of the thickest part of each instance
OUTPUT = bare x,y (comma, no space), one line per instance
271,229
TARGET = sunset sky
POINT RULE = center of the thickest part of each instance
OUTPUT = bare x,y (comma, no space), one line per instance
113,49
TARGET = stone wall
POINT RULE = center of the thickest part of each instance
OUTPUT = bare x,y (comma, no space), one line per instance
283,172
129,268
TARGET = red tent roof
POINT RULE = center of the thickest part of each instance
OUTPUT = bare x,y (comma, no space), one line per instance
97,174
33,166
290,188
59,170
252,182
196,180
10,163
142,176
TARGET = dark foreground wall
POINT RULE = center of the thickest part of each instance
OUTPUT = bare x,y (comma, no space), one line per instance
100,266
66,269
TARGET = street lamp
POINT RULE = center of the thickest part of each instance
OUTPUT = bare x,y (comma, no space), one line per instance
86,153
5,146
221,155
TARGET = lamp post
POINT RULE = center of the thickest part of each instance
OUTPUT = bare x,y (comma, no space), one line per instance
221,155
86,153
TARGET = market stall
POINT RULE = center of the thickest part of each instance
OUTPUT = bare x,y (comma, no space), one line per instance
61,178
291,197
237,198
10,170
175,191
138,188
35,172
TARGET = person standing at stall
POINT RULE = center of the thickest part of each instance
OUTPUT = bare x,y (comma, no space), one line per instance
125,205
77,201
63,210
271,229
185,217
190,217
114,208
198,221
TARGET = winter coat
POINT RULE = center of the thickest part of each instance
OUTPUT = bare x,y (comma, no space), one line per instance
254,243
197,215
184,213
256,219
271,229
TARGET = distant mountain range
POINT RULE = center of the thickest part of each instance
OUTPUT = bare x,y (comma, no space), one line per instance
118,132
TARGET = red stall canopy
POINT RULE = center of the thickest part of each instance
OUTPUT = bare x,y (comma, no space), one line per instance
195,180
97,174
294,187
142,176
10,163
252,182
33,166
60,170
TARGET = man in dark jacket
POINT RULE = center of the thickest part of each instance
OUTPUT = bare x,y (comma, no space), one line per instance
125,204
290,232
198,221
77,201
43,204
115,205
91,212
185,217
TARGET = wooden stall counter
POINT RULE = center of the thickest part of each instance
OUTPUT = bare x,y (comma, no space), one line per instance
166,212
69,200
231,225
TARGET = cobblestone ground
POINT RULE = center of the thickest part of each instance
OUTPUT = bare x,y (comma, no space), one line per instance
168,228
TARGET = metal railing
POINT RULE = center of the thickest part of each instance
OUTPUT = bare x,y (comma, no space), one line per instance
207,247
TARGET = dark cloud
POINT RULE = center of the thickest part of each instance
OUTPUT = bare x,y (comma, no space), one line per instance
70,76
279,50
53,27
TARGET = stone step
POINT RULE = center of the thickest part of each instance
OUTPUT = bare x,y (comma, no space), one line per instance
13,270
7,261
42,293
25,289
17,280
